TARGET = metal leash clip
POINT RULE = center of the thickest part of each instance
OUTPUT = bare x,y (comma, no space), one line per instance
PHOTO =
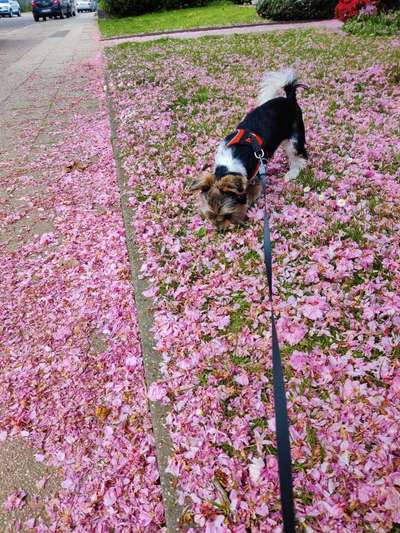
262,169
259,154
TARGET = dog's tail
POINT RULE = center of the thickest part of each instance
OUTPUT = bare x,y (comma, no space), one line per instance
274,82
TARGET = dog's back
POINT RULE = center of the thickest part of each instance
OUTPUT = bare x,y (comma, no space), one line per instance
275,120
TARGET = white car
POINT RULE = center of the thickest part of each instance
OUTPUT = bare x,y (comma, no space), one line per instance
85,5
16,8
8,8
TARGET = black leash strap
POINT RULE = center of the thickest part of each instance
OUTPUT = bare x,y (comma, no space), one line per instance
281,418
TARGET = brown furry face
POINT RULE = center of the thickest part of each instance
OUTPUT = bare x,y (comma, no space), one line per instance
227,200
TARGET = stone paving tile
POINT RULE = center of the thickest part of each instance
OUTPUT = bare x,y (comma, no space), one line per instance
20,470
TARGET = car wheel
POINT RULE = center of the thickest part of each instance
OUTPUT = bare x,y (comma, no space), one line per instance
62,15
44,19
19,13
36,18
10,14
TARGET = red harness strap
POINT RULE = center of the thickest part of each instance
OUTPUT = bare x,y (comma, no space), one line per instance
246,137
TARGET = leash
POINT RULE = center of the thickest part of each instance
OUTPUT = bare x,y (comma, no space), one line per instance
281,418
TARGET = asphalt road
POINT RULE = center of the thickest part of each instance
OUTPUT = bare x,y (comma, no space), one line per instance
27,46
7,24
12,26
13,45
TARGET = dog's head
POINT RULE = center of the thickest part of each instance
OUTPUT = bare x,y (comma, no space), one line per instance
223,201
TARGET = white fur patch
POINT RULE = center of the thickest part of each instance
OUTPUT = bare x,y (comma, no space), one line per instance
273,83
224,158
296,163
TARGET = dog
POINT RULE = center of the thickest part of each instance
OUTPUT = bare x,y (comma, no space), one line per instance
234,186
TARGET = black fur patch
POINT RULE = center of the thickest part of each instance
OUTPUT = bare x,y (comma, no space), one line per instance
275,121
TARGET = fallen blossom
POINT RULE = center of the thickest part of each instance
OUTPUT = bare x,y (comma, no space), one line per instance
16,500
335,265
255,469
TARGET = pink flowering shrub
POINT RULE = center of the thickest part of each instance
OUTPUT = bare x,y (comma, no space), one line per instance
336,269
369,9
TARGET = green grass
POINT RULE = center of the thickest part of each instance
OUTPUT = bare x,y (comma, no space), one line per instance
380,24
217,13
239,317
307,179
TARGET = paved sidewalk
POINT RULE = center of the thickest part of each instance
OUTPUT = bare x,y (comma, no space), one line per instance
39,100
71,331
33,62
329,25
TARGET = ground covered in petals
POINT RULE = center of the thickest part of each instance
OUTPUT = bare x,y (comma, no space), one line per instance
336,265
71,380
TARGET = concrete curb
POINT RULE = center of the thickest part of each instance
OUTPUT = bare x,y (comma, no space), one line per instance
211,28
151,359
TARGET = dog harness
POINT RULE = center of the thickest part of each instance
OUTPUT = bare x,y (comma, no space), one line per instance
247,137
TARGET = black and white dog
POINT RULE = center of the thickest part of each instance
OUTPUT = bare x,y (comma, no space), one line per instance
233,187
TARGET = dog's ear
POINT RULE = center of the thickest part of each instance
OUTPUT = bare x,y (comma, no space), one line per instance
233,184
203,183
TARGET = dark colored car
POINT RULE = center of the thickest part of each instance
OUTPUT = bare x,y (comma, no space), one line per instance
49,8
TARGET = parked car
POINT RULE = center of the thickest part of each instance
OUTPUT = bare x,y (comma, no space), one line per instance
86,5
49,8
16,8
6,9
72,8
